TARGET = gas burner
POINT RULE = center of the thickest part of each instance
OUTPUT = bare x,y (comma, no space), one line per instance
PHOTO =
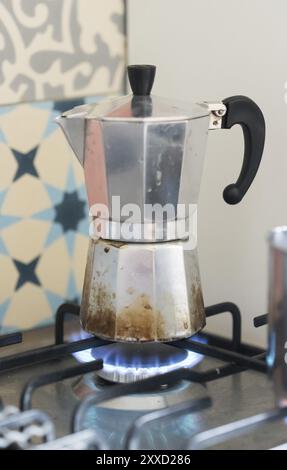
126,362
133,403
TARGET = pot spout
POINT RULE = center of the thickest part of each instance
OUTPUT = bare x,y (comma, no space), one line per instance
73,126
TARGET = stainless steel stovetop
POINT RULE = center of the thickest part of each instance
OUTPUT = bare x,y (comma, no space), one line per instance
233,397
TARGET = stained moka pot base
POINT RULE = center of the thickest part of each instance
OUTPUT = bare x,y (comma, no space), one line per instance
142,291
148,150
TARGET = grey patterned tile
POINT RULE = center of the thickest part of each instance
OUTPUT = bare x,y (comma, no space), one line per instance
53,49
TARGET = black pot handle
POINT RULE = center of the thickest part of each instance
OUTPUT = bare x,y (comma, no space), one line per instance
243,111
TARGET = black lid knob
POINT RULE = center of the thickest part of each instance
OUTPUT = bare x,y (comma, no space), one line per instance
141,78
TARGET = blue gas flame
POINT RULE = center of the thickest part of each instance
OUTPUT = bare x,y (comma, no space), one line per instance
136,367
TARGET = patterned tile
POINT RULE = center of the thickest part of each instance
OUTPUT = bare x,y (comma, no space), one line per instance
43,215
51,49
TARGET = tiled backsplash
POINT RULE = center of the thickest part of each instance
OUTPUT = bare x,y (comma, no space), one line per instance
51,49
56,51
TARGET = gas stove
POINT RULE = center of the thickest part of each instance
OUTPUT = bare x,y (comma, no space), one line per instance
63,389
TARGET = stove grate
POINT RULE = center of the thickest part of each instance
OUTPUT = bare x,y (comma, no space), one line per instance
236,355
10,339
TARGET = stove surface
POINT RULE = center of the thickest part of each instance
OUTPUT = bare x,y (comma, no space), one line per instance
234,397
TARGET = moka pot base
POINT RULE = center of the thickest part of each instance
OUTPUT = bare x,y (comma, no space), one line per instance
140,292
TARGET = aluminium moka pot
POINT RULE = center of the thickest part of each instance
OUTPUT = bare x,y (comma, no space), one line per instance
144,154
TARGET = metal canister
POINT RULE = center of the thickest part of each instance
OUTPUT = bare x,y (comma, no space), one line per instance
277,332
